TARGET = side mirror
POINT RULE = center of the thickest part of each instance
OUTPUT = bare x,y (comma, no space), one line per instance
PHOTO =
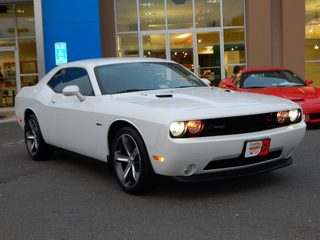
73,90
231,85
308,81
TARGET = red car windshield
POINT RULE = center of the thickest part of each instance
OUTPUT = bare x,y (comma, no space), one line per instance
270,78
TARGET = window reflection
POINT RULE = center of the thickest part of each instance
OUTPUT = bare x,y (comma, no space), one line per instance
126,12
179,14
207,13
154,46
25,20
234,46
312,11
152,15
181,49
233,14
128,45
28,55
7,29
313,72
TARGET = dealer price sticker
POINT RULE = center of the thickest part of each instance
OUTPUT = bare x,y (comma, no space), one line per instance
257,148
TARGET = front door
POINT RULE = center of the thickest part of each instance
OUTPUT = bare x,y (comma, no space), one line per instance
209,56
8,76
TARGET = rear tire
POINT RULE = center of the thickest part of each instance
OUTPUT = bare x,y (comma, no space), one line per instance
36,146
131,162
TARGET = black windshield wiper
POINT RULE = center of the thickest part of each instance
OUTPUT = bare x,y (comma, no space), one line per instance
132,90
184,86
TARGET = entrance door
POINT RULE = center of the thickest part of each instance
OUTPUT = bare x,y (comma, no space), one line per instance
200,52
209,56
8,79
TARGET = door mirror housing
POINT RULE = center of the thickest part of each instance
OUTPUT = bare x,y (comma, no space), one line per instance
308,81
73,90
231,86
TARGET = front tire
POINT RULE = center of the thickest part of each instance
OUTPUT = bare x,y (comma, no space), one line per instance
36,146
131,162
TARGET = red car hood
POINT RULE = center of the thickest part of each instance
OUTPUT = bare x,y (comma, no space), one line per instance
291,93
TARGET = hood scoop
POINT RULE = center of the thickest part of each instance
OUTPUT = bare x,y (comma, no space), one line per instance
164,96
297,100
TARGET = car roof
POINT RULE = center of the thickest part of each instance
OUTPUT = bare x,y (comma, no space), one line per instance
115,60
263,69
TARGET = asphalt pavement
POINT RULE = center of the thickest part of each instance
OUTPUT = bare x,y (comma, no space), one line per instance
7,115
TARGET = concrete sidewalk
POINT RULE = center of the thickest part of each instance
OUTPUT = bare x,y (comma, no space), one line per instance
7,115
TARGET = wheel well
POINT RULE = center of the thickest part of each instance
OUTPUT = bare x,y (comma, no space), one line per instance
114,128
27,113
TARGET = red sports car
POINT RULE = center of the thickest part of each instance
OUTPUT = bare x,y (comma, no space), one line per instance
278,82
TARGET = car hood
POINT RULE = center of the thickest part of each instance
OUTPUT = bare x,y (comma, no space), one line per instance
202,102
291,93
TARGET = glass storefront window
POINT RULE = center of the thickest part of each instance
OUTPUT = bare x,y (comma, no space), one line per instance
7,42
230,69
312,11
313,72
312,42
181,49
128,45
29,80
152,15
28,56
209,59
179,14
234,46
207,14
25,20
126,13
7,29
233,13
154,46
174,24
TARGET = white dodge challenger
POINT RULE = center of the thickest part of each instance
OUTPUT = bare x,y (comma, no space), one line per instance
151,117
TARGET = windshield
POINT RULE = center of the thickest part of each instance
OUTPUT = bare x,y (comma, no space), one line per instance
271,78
140,76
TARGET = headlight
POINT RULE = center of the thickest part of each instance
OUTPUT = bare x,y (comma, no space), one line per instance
294,115
177,128
287,117
186,128
194,127
282,116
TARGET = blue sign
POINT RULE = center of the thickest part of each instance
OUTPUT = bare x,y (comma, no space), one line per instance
61,53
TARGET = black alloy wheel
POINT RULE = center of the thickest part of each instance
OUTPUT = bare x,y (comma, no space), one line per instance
36,146
131,162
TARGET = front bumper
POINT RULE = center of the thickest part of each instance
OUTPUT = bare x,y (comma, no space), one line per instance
221,157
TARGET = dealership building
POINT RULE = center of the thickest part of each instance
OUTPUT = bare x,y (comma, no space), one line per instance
209,37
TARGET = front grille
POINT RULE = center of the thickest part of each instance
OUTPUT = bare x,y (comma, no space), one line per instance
314,116
241,161
240,124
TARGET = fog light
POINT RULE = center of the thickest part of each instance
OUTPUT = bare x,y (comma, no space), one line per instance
189,170
306,117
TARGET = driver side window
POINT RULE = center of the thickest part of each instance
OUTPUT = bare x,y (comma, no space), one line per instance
71,76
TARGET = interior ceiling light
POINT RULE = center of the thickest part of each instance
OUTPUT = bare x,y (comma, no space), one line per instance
17,11
149,13
147,4
202,18
212,1
150,21
207,11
